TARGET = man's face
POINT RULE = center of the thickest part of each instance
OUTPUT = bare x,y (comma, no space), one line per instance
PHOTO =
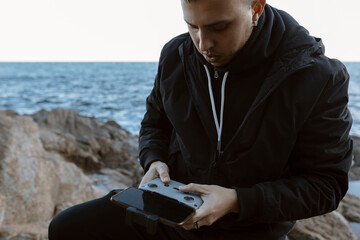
218,28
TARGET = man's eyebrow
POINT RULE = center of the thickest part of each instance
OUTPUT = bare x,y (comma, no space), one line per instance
189,23
208,25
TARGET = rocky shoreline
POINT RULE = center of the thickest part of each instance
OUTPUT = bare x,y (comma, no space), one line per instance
52,160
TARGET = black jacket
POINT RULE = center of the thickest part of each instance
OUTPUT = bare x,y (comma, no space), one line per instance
287,150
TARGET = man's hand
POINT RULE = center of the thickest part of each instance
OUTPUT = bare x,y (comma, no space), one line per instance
156,169
218,201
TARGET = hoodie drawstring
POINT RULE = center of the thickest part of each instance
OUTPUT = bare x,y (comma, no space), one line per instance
218,126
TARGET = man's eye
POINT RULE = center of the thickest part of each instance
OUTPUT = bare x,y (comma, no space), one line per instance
220,27
192,26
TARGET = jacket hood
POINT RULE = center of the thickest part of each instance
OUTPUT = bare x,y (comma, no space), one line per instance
276,35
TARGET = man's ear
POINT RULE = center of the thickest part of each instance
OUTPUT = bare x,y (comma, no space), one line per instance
257,8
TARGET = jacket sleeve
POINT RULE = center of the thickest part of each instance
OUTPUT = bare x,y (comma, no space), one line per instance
318,169
155,128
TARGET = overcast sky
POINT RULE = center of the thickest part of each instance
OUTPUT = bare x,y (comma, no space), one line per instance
136,30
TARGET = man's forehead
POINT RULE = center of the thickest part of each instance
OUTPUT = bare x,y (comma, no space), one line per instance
214,5
209,12
190,1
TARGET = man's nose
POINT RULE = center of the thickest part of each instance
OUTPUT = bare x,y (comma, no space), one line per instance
205,42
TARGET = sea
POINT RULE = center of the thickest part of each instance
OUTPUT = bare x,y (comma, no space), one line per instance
106,90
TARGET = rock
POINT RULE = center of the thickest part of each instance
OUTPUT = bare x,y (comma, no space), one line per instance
326,227
50,161
355,227
72,185
28,179
354,173
89,143
112,179
2,208
349,207
356,146
30,231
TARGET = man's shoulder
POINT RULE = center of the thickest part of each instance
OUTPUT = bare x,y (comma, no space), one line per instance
322,73
330,67
175,42
170,49
320,65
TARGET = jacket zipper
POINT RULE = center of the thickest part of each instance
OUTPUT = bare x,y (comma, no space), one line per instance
219,155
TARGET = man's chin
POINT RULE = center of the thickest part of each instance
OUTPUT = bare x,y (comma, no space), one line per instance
218,64
221,62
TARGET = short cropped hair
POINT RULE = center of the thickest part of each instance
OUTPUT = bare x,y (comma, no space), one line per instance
189,1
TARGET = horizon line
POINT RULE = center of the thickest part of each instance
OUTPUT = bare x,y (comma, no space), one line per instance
110,61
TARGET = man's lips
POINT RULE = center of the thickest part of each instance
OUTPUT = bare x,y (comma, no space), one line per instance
210,58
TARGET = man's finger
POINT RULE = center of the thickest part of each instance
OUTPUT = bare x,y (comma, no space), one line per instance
164,174
193,187
147,178
156,169
198,217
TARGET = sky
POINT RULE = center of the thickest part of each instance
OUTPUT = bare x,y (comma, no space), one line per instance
136,30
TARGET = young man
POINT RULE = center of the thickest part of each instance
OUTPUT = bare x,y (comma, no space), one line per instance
247,111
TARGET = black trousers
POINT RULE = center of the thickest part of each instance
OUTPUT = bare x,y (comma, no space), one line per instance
102,220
